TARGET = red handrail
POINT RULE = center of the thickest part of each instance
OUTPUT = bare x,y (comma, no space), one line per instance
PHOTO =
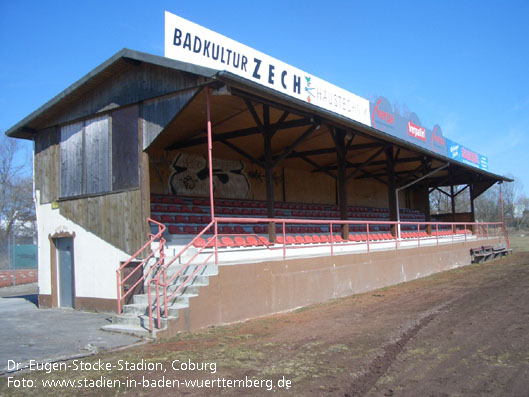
153,237
213,242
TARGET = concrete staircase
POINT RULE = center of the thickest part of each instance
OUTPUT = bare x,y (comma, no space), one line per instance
134,319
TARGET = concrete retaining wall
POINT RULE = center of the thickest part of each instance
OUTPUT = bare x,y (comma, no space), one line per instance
250,290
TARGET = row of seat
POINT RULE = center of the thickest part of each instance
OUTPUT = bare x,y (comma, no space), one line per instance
184,209
197,202
258,229
258,241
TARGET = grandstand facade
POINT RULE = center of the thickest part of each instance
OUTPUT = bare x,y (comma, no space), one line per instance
231,199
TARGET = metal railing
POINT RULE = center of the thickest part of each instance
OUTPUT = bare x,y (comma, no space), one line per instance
147,246
442,232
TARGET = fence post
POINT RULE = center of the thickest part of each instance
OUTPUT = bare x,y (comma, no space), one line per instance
13,260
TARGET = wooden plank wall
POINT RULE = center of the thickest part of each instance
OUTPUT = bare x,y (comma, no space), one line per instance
116,218
157,114
97,155
71,148
47,165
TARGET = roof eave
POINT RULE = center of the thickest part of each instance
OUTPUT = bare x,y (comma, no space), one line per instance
21,129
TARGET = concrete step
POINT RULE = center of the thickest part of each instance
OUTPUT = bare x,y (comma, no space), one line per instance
127,329
207,270
141,321
143,298
142,309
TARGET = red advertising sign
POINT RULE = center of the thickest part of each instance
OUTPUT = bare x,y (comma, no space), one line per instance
416,131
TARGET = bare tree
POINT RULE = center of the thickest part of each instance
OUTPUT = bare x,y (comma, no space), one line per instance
17,212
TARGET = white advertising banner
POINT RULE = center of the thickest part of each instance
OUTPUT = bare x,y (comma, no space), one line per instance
188,42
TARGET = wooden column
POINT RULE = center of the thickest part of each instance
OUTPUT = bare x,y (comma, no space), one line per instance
342,181
427,214
392,200
472,211
269,177
453,204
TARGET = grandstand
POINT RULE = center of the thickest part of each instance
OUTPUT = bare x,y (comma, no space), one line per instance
181,196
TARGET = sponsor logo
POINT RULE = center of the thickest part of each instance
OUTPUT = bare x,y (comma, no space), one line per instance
469,155
437,143
454,151
416,131
382,115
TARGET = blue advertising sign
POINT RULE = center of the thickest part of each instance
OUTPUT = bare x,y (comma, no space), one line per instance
464,155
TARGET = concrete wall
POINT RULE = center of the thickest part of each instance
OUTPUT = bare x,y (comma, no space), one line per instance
275,286
95,261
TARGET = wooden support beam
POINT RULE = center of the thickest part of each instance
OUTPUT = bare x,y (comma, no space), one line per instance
237,149
472,209
339,139
317,167
365,163
280,125
461,190
291,147
269,179
392,198
254,114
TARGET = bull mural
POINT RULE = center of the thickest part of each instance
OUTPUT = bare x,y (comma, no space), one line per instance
190,177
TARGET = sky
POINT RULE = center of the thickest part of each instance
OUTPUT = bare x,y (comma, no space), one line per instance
461,64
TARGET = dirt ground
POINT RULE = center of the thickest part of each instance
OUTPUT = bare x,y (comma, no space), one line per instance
462,332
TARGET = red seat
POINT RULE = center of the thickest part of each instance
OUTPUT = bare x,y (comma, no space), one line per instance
174,230
189,230
246,212
193,219
308,239
236,211
167,200
337,238
226,242
156,199
299,240
239,241
199,242
204,219
324,238
185,209
180,219
167,219
258,229
352,237
279,239
239,230
290,240
263,241
316,238
226,230
251,240
156,218
171,208
159,208
197,210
